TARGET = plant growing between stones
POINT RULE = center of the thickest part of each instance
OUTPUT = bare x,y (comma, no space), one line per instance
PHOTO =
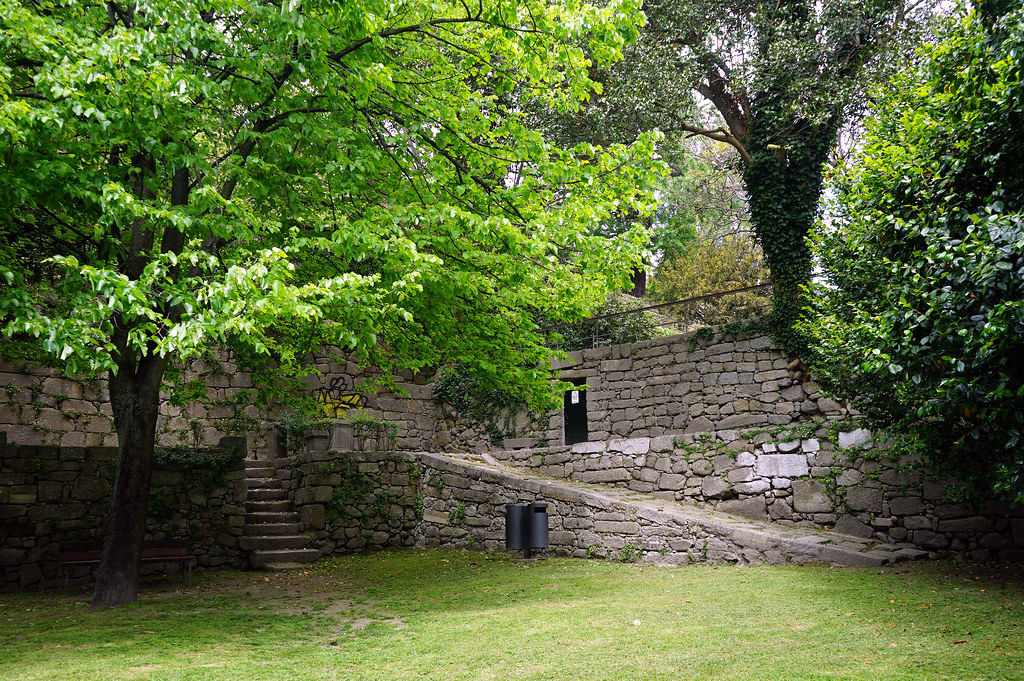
457,514
367,429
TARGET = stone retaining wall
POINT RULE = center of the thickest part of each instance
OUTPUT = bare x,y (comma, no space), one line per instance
53,494
429,500
849,484
465,507
677,384
43,407
354,501
672,384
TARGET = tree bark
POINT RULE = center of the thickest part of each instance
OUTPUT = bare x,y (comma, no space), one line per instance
135,400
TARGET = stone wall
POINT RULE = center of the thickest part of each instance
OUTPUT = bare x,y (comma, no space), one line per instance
792,475
53,494
464,506
41,406
676,384
354,501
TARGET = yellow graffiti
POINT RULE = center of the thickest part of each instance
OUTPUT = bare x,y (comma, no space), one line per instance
336,406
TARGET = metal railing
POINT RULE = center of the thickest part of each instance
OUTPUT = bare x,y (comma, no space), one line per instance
677,316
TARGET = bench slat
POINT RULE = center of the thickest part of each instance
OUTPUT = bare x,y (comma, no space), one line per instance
155,551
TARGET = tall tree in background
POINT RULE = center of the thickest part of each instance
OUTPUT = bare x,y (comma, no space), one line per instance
285,175
775,81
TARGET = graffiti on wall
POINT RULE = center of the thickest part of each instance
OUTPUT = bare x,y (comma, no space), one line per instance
337,396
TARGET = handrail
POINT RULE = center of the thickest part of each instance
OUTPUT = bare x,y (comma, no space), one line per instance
707,296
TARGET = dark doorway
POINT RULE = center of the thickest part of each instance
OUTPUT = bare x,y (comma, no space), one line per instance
575,413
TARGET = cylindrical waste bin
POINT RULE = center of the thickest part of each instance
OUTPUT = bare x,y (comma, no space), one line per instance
526,527
537,525
515,521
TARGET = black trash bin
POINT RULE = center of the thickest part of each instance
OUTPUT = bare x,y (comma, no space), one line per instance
526,527
515,523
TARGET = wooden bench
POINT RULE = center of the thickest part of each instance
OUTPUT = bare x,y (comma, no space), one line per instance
73,553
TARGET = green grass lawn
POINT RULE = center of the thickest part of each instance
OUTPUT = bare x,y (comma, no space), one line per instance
455,615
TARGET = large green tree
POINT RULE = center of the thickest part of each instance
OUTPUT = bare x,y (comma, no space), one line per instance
177,175
919,317
776,81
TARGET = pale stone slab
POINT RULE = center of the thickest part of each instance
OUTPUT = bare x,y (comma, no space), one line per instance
782,465
632,446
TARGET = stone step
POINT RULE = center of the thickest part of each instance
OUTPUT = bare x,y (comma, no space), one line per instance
281,567
266,559
274,543
261,472
260,517
263,483
267,494
270,529
273,505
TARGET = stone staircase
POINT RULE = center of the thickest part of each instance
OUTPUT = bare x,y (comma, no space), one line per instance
271,530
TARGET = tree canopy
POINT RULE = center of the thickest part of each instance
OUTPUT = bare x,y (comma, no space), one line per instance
919,317
284,175
776,81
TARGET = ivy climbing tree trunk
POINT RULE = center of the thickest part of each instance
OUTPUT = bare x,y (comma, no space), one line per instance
784,183
135,402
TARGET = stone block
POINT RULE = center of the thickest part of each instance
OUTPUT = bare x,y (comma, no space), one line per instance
699,425
864,499
50,491
754,507
745,458
617,527
662,443
809,497
650,475
917,522
781,465
89,488
789,447
604,475
752,487
631,447
740,421
11,557
780,510
903,506
855,438
753,538
976,524
313,516
810,446
701,467
672,481
740,475
993,540
1017,525
849,477
713,487
929,539
847,524
435,516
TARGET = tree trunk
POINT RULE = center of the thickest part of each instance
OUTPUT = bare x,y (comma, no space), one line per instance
784,184
135,401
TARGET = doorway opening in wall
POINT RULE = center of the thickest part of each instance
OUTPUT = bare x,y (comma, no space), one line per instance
574,413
